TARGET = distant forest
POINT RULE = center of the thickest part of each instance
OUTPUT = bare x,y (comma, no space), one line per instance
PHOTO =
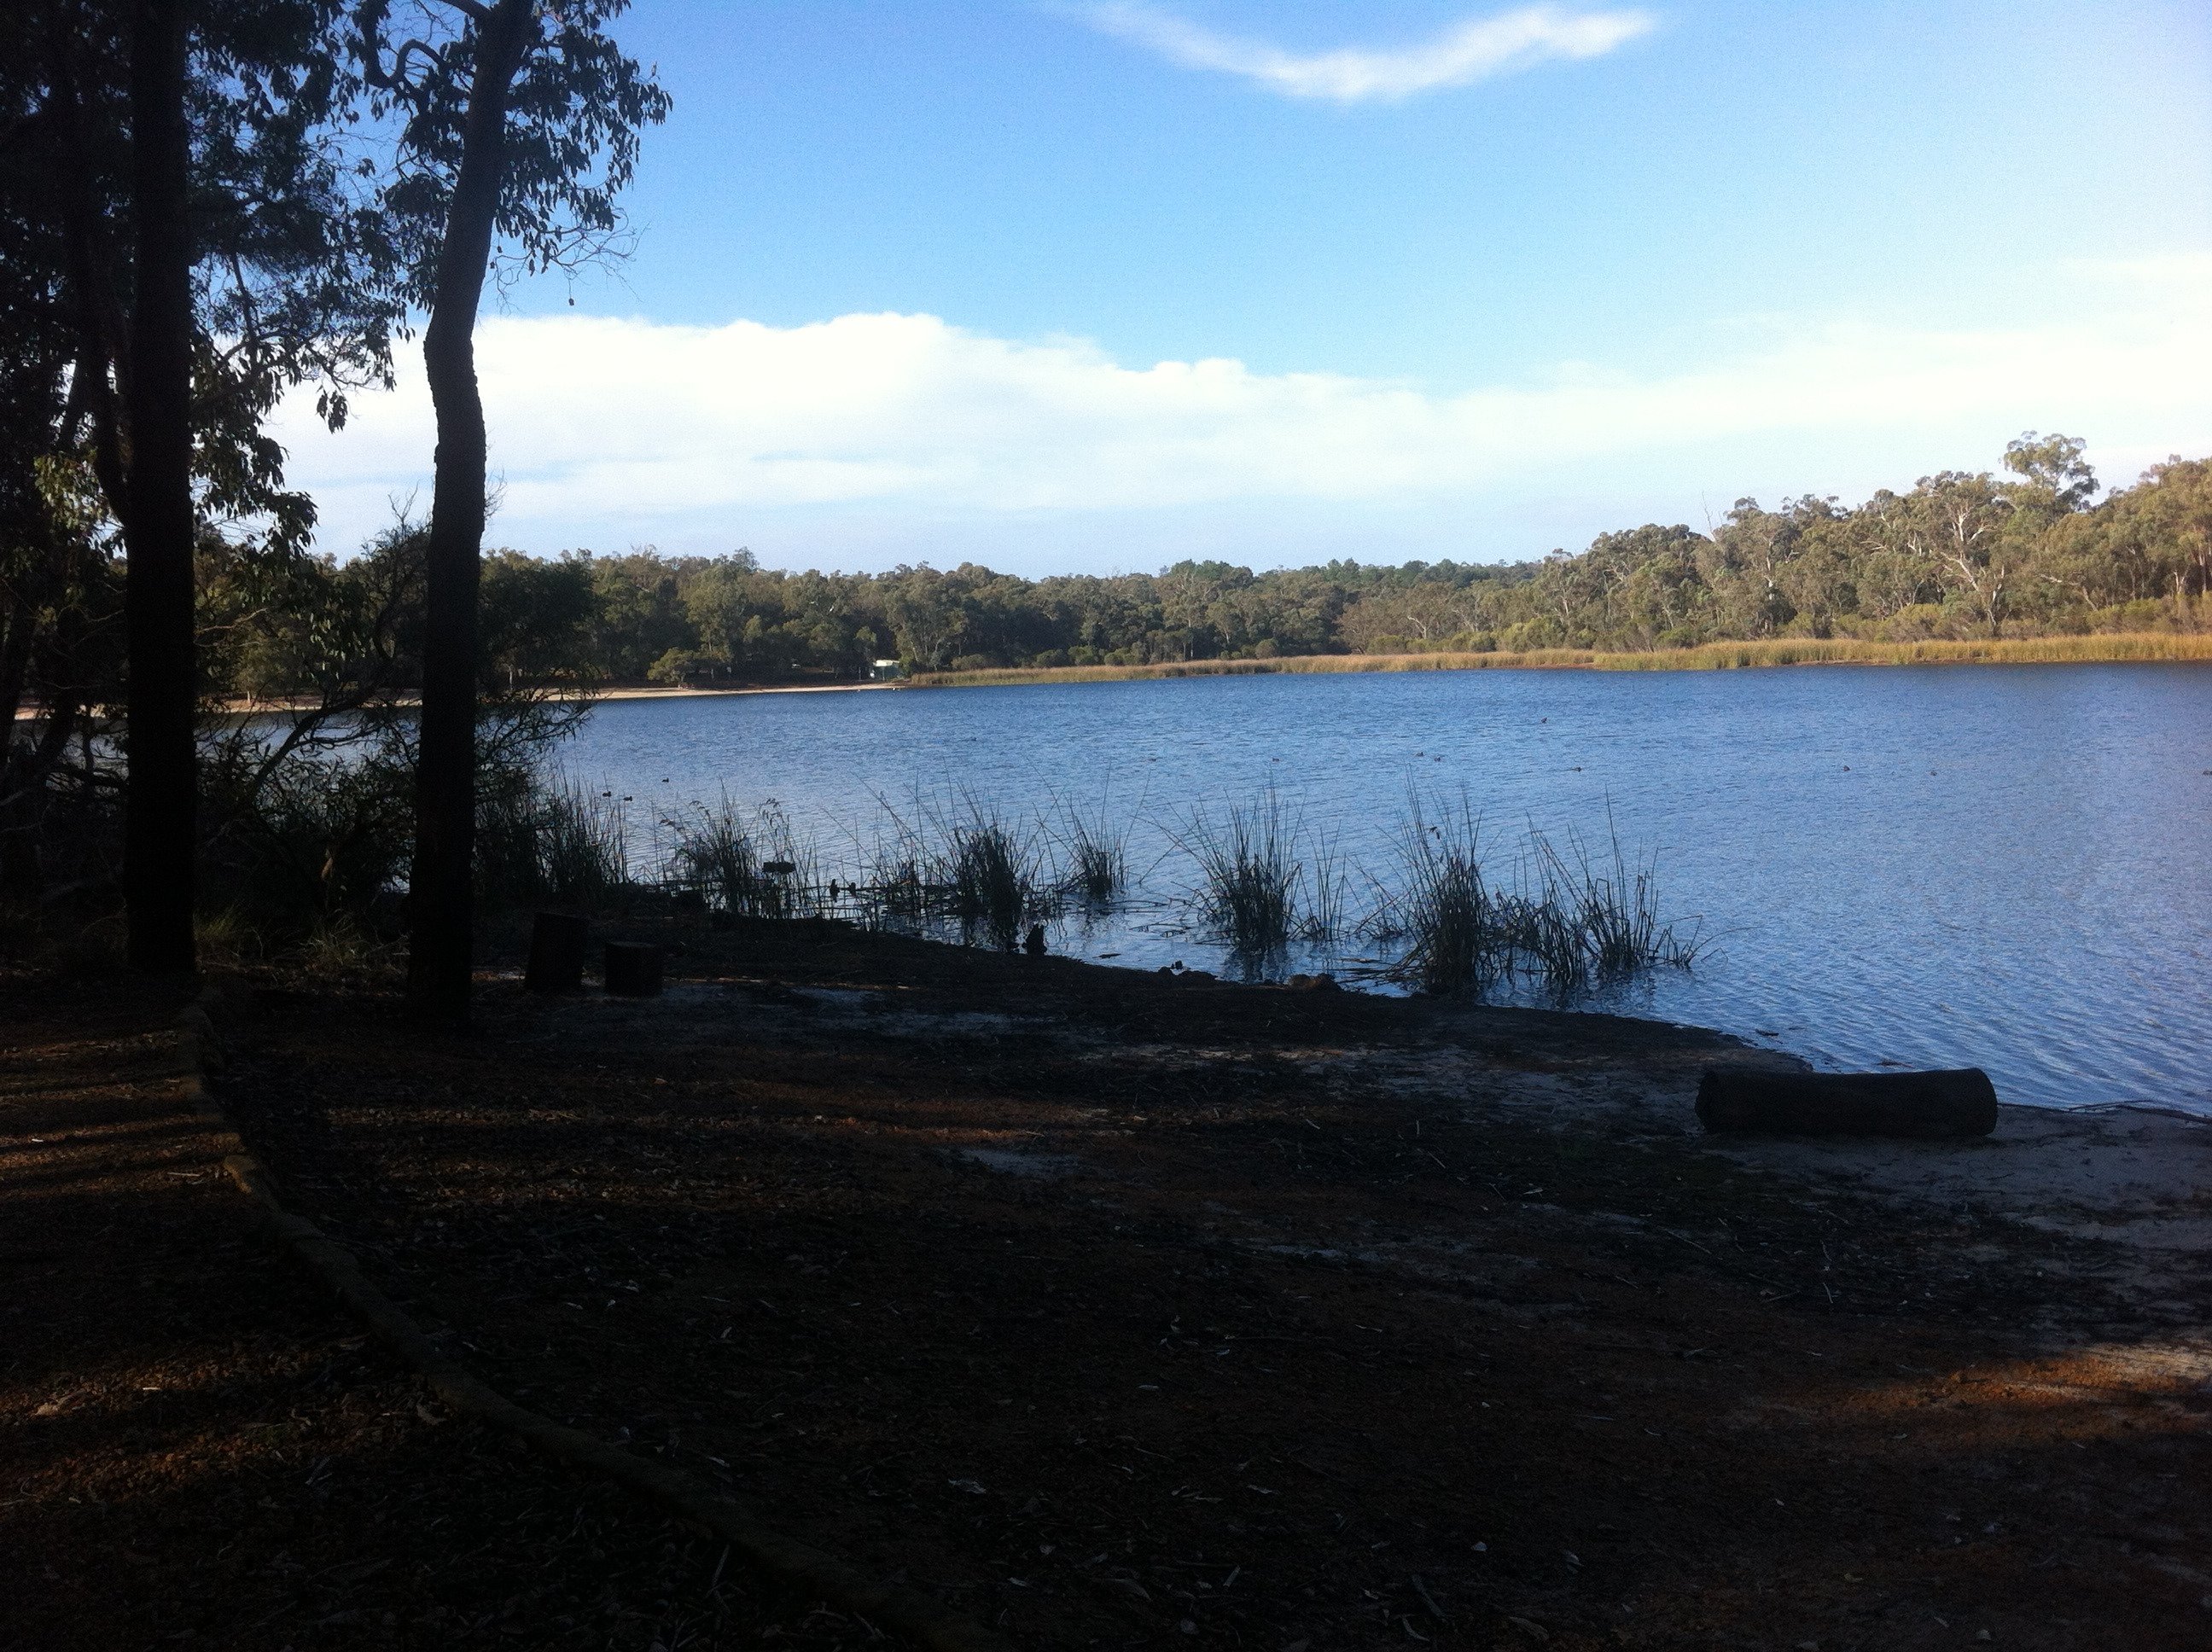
2028,550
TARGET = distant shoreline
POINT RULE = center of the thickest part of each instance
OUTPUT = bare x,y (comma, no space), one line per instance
713,694
2151,647
2123,647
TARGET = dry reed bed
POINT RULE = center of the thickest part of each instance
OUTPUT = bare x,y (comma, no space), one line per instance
2119,648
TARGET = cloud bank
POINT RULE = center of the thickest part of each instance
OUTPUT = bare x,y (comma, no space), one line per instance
1475,50
610,432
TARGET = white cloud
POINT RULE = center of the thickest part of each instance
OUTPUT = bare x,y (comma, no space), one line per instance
1475,50
610,432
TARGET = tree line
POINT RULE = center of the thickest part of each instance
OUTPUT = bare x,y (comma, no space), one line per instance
2028,550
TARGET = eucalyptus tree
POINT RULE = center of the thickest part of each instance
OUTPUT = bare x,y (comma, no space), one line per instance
517,124
183,173
2159,537
1746,565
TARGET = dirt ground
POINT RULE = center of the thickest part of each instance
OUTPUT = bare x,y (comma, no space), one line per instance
1116,1309
198,1450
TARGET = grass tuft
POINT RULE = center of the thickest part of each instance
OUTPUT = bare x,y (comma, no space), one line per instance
546,837
1458,935
1248,869
1565,925
583,845
752,866
1094,870
991,880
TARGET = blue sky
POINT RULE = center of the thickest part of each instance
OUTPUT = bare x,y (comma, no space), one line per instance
1473,280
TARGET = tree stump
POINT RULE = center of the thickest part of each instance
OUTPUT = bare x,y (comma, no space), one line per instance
632,968
1940,1106
556,953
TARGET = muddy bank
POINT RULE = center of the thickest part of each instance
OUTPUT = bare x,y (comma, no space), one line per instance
1120,1310
196,1450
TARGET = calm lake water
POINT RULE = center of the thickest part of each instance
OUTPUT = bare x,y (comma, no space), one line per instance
2007,867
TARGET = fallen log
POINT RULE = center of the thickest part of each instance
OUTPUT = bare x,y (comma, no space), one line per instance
1938,1106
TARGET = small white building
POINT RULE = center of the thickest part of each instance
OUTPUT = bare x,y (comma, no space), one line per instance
886,670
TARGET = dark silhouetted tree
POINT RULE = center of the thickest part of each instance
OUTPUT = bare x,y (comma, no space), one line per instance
176,170
518,119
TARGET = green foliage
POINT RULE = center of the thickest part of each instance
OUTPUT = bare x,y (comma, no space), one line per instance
292,284
294,270
574,113
1961,556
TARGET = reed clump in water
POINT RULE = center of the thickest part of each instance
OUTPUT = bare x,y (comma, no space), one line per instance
752,865
1458,934
583,845
1616,912
990,879
1562,921
1249,871
1094,871
969,866
1324,892
894,881
1565,925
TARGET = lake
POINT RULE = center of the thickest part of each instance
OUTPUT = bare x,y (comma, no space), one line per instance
2007,867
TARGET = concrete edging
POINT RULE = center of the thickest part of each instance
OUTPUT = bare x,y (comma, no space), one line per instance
917,1616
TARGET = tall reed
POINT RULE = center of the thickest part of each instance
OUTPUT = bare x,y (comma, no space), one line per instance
894,883
1094,870
578,840
960,862
754,866
991,879
1324,892
1460,935
1617,910
1248,869
1564,923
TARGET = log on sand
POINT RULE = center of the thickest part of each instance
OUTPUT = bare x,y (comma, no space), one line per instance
1939,1106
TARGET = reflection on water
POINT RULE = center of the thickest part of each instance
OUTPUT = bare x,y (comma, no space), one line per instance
2009,867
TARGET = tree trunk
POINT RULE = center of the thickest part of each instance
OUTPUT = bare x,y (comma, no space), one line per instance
159,830
442,886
